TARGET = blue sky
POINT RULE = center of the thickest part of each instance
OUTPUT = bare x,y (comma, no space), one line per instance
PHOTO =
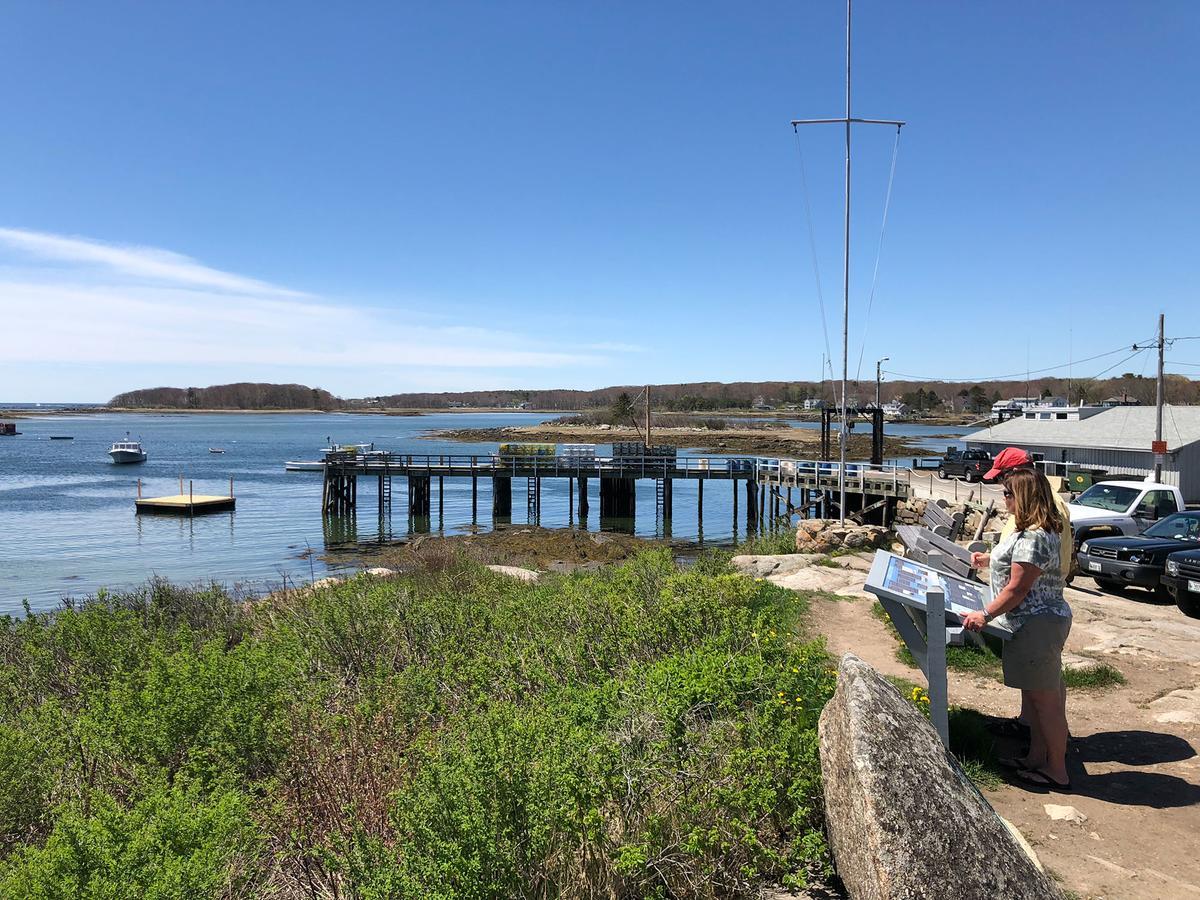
398,196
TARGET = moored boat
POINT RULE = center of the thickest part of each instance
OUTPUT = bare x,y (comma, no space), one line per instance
127,451
314,465
215,450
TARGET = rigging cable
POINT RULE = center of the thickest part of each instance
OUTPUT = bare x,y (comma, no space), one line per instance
887,203
812,243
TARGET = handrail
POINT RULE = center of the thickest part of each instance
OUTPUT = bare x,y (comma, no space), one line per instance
759,467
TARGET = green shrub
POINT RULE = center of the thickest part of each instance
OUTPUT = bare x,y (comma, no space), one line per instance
641,730
771,544
174,843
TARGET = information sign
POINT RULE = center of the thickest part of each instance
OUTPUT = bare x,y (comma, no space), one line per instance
908,582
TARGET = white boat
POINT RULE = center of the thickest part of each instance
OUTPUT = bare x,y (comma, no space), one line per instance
215,450
314,465
127,452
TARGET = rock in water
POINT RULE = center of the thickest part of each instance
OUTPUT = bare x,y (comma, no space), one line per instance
904,821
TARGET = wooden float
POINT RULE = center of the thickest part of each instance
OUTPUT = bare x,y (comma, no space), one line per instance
189,504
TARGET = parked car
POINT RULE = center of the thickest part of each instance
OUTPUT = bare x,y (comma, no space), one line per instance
1181,578
1129,506
1121,561
969,464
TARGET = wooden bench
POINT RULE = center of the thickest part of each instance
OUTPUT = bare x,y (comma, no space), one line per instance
920,542
936,519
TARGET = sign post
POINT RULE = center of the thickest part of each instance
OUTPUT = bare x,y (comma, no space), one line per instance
918,598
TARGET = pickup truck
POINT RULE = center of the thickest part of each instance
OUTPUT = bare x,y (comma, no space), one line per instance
969,464
1125,507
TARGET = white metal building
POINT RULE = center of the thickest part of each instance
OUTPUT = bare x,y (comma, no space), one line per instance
1117,440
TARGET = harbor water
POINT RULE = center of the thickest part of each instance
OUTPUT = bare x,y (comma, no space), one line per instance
68,526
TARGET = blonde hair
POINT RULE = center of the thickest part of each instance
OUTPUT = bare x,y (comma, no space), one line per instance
1033,500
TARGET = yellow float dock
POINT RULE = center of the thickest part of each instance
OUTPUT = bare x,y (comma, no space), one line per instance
188,504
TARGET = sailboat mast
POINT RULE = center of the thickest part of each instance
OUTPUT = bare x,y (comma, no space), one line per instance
848,121
844,433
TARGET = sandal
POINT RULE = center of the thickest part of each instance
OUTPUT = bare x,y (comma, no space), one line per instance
1038,779
1016,763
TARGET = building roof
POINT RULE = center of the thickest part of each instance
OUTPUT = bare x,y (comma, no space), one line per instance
1118,428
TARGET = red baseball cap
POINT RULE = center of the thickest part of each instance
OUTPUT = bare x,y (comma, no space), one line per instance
1008,458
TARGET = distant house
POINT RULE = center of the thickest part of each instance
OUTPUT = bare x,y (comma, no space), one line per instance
1007,409
1121,401
456,404
894,409
761,403
814,403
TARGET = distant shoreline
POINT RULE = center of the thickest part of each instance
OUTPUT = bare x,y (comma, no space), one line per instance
172,411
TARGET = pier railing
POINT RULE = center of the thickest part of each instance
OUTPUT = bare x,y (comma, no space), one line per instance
889,478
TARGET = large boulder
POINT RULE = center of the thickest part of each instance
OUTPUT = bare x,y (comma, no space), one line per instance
774,565
827,535
904,822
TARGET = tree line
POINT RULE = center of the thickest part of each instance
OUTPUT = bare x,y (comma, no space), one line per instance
697,396
243,395
926,396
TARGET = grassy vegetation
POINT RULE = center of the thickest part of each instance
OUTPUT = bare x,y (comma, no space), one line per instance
770,544
640,731
1099,676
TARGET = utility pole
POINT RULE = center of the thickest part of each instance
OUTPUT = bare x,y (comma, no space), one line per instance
1159,446
1158,404
847,121
878,379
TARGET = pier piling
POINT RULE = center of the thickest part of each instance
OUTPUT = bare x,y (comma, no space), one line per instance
502,496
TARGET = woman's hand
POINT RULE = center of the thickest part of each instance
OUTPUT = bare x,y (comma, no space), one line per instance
974,621
981,560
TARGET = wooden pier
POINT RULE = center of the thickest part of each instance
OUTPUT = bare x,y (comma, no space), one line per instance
185,504
768,483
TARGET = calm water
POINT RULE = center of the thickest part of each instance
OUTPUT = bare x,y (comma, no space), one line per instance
68,527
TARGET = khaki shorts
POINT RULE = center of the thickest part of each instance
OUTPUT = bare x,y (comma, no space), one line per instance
1033,658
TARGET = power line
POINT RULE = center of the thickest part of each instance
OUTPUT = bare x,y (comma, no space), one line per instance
1021,374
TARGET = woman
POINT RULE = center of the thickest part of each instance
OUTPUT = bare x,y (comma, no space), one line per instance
1027,586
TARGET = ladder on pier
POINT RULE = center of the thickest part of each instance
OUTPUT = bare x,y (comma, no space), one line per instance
660,497
385,495
531,498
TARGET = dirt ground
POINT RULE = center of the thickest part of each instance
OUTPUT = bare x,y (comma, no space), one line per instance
1133,758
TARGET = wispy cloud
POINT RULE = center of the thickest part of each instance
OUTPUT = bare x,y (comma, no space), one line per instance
139,262
162,308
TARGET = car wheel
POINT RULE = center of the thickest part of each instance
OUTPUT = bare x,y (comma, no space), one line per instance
1189,606
942,473
1109,584
971,477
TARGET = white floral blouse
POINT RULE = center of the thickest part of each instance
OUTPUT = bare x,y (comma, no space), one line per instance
1040,548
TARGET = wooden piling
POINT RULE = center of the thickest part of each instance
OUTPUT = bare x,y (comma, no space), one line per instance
502,496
